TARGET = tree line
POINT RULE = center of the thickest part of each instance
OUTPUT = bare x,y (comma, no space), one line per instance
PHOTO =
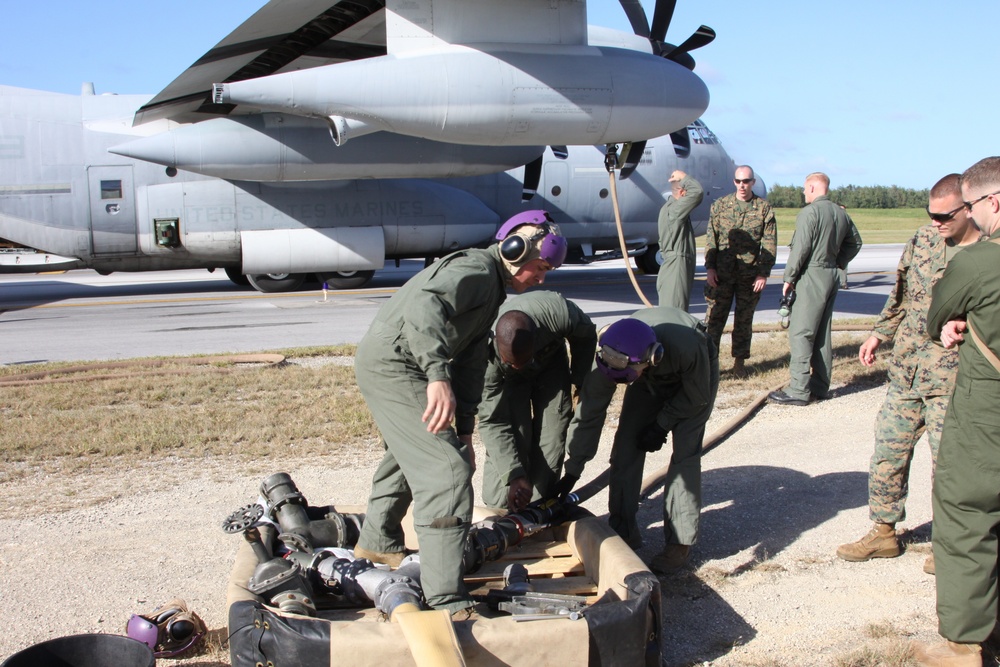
853,196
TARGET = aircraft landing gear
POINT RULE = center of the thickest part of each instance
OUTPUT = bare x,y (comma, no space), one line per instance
649,262
236,277
345,279
276,282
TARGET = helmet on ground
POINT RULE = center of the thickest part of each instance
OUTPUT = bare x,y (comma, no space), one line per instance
169,630
543,241
625,348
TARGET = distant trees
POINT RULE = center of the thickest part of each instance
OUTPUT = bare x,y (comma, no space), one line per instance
853,196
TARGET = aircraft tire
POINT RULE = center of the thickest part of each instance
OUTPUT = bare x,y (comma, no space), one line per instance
649,262
276,282
237,278
345,279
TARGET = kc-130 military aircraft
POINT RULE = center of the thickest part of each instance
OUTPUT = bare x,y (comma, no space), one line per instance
324,137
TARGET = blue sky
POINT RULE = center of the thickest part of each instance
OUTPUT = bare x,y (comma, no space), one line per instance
880,92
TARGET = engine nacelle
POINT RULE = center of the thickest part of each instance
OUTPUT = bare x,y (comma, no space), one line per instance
513,96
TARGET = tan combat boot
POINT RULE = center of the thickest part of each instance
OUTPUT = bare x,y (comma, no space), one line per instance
391,558
929,565
948,654
670,559
740,369
880,542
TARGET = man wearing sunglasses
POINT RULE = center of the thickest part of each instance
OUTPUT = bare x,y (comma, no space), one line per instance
921,373
965,308
677,247
671,368
740,243
825,240
527,399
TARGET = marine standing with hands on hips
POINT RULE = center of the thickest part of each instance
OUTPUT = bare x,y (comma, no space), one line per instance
420,368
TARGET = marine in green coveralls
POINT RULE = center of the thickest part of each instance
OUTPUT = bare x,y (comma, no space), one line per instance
421,366
965,308
525,411
672,371
676,274
825,239
921,372
740,243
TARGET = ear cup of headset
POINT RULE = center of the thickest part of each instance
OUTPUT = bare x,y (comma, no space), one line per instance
514,248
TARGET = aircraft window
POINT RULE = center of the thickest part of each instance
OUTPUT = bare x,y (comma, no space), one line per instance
701,134
111,189
603,194
556,191
682,142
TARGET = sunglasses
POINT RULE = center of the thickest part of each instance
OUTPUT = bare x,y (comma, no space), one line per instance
943,217
970,204
619,361
743,181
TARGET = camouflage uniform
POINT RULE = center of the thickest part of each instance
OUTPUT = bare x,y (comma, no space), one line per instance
740,244
921,376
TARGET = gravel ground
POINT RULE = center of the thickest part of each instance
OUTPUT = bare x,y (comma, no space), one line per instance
82,552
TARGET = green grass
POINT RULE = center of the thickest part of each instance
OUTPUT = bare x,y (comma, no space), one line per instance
895,225
72,418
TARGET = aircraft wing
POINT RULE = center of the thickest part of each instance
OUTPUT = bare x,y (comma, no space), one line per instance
288,35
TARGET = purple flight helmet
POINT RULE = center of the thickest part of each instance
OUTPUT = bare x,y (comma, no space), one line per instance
625,348
517,248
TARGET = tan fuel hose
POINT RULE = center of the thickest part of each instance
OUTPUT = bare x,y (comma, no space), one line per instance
621,238
430,636
654,479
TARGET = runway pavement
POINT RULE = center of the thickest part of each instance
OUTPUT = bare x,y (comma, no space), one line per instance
81,315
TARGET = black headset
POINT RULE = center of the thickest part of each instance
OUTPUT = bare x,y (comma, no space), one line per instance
517,247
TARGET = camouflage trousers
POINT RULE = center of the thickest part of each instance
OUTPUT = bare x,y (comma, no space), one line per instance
719,299
904,417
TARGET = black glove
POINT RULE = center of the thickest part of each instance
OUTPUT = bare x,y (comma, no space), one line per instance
564,486
652,438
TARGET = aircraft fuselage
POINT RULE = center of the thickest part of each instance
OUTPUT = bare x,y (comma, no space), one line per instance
64,193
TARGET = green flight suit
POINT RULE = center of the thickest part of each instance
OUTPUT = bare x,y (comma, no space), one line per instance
825,239
740,245
679,394
524,413
434,328
966,497
676,274
921,375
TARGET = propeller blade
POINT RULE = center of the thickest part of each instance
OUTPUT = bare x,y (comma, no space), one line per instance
701,37
560,152
662,15
636,16
631,159
532,175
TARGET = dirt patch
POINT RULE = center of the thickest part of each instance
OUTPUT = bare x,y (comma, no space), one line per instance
81,552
